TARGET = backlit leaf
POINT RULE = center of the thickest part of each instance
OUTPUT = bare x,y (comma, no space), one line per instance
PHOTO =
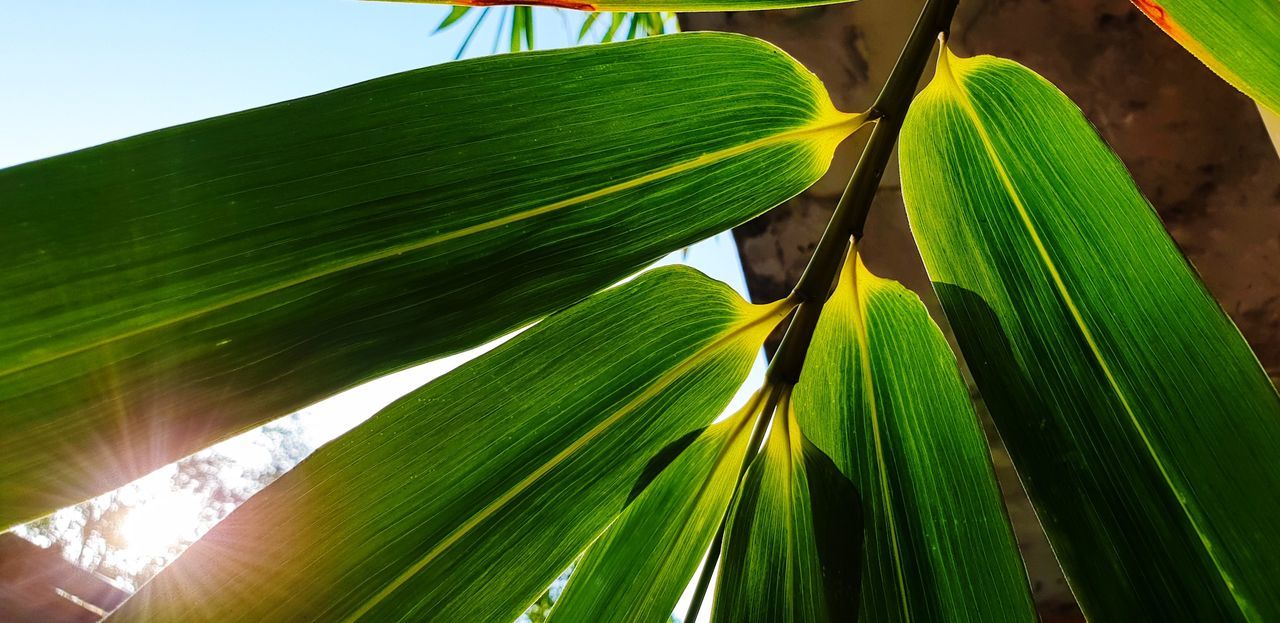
674,6
463,500
586,26
166,291
1144,429
793,544
881,395
639,569
1237,39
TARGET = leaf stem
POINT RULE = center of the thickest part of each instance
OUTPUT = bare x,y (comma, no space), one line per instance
819,279
846,225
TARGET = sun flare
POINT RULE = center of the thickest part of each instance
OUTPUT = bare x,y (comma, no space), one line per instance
153,528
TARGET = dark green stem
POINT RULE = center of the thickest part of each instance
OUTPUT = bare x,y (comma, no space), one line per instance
888,111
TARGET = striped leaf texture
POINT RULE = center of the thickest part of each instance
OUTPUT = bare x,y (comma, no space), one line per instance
1142,425
166,291
881,395
465,499
673,6
1238,39
792,549
639,569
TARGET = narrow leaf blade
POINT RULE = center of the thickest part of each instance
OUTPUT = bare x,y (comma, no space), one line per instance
881,394
1141,424
793,545
586,26
615,22
170,290
465,499
639,569
456,13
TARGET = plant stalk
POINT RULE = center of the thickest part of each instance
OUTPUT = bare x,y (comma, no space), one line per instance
846,225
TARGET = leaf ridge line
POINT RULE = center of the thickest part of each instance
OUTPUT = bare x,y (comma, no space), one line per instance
726,447
784,423
769,312
834,124
945,71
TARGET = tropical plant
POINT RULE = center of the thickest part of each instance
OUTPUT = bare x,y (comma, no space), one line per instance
166,291
518,23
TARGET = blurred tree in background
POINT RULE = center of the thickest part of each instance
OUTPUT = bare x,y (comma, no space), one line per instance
130,534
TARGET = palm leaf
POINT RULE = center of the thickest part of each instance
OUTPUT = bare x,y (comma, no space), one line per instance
880,393
167,291
638,570
465,499
1237,39
1143,427
792,550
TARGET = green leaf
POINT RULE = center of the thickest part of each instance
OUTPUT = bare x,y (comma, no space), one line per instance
169,290
881,395
465,499
635,26
639,569
1141,424
528,26
673,6
586,26
615,22
456,13
793,545
1237,39
1272,122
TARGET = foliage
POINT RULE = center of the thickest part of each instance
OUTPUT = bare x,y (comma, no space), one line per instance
881,394
95,534
1238,39
520,458
518,22
639,568
169,290
1152,419
408,248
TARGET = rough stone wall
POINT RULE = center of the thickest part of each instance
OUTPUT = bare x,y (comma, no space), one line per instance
1196,147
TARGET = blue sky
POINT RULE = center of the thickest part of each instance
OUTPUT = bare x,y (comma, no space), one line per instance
80,72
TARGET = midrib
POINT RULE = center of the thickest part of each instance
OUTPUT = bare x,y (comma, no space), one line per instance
869,392
830,125
944,69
